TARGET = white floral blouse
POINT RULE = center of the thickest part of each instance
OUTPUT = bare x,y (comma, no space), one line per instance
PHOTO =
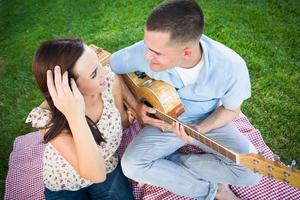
58,174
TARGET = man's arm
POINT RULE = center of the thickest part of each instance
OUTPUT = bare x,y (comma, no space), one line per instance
220,117
239,89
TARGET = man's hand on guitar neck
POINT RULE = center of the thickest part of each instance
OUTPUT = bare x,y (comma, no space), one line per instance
143,112
180,132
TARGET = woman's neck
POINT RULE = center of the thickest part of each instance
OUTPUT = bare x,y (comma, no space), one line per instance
92,99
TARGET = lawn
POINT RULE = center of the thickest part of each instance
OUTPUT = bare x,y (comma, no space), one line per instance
264,33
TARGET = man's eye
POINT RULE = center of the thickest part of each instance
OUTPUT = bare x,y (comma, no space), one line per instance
158,54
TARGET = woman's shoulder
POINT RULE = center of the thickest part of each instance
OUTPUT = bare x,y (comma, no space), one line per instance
110,78
39,117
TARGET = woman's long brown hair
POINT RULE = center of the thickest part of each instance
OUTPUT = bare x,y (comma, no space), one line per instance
64,53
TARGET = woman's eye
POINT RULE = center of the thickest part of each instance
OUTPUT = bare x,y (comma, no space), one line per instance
94,75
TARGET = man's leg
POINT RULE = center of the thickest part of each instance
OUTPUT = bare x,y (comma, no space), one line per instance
145,161
214,167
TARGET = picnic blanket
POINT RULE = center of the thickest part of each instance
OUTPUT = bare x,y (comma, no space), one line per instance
24,177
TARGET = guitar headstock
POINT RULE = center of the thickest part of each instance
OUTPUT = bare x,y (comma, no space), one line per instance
103,55
267,167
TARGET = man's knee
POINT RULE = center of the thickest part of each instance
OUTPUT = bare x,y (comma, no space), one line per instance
249,178
243,145
128,166
132,165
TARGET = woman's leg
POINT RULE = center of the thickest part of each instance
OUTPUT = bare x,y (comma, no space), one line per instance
115,187
66,195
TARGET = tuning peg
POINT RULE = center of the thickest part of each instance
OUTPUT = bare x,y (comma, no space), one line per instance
276,158
261,153
293,164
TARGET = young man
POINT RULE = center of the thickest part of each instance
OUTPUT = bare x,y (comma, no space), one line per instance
212,82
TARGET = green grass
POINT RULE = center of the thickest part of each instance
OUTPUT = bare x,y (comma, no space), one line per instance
264,33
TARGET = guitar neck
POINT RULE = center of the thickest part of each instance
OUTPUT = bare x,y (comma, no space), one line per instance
201,137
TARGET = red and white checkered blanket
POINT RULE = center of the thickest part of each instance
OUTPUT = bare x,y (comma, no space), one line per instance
24,178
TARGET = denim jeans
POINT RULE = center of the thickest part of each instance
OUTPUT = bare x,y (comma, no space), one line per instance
152,158
115,187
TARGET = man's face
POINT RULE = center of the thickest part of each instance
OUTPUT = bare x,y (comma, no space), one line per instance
160,53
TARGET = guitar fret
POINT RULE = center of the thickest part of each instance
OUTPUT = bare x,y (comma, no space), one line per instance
209,143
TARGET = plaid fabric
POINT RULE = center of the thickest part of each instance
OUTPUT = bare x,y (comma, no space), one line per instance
24,178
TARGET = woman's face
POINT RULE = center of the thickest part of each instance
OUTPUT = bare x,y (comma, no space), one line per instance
91,75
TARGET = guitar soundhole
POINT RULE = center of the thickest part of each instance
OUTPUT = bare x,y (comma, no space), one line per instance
149,105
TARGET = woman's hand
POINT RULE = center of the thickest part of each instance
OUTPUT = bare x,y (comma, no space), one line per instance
180,132
69,102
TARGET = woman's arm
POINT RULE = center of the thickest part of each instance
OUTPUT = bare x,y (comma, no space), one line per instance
87,157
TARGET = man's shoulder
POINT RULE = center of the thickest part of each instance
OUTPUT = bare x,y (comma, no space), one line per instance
222,58
220,53
129,59
135,47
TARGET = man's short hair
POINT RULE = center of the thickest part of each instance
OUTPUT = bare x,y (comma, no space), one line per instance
183,19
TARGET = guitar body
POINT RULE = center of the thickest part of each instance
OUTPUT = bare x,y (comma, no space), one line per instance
158,94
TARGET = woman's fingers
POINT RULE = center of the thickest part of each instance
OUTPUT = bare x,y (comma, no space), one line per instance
50,84
75,89
57,80
65,84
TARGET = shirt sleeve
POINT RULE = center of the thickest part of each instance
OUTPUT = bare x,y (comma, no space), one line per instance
239,87
39,118
129,59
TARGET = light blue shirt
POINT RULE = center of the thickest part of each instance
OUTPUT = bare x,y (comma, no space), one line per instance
223,80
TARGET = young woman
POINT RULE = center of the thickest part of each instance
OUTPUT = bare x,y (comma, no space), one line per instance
81,122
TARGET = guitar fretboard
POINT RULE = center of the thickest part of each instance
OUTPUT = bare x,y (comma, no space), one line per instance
200,137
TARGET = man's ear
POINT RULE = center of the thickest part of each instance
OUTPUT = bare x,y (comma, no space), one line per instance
187,52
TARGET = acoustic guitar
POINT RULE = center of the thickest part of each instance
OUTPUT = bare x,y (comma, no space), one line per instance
164,99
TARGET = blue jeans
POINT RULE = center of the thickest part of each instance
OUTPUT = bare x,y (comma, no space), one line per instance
152,158
115,187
